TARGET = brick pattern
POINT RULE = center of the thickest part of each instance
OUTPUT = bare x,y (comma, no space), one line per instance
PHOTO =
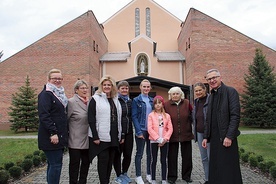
216,45
70,48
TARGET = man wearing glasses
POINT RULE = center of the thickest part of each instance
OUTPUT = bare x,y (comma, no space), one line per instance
221,129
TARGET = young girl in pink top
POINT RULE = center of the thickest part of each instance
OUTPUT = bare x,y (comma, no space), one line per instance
160,130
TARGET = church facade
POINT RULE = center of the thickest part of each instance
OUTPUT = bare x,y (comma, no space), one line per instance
142,40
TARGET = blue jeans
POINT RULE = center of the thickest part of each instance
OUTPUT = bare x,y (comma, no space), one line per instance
54,160
140,144
205,155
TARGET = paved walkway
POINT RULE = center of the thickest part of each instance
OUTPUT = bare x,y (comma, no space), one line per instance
249,176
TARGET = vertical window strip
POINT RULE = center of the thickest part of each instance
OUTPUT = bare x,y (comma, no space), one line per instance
148,26
137,22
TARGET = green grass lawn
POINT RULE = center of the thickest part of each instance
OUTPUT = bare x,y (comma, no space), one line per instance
260,144
19,133
16,149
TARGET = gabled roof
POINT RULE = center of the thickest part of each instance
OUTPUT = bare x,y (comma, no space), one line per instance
133,1
115,56
169,56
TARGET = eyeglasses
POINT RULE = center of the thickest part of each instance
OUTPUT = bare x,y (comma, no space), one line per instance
212,78
83,88
56,79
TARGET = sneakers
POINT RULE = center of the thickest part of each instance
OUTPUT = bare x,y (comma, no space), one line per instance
125,177
164,182
139,180
121,180
148,178
153,182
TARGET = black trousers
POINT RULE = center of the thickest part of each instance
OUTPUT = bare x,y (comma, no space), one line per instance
105,160
187,163
78,166
163,159
125,149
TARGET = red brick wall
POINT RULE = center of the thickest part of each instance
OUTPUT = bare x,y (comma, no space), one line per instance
69,48
216,45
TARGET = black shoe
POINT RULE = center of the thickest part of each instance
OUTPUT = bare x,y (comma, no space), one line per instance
189,180
206,182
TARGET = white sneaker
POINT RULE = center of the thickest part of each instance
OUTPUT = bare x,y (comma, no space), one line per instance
148,178
153,182
164,182
139,180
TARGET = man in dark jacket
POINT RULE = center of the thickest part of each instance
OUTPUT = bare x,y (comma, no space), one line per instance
221,129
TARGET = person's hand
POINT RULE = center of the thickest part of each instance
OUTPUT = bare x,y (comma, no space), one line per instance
141,136
54,139
227,142
122,141
204,143
163,142
97,142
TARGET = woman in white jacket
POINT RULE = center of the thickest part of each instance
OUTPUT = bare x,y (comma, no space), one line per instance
104,115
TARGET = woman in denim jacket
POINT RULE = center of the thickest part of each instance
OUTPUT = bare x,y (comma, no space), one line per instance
141,107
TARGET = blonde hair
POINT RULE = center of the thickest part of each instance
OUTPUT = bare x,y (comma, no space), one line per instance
113,89
144,80
53,71
176,89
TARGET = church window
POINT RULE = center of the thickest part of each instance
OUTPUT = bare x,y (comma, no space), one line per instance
137,22
148,29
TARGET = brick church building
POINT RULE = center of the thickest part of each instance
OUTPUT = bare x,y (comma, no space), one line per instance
142,40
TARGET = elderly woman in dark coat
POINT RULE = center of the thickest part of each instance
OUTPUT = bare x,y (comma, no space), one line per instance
180,111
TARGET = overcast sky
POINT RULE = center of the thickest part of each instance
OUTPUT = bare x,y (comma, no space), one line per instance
22,22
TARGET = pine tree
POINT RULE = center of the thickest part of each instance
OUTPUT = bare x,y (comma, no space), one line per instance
259,99
24,108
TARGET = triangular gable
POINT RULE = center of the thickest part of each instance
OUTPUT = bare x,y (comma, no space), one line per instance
132,2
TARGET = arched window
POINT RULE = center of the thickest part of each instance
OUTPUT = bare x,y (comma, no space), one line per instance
137,22
148,29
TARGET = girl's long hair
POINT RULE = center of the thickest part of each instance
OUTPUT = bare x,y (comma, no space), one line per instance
157,100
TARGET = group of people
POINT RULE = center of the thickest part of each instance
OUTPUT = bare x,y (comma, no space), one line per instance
106,125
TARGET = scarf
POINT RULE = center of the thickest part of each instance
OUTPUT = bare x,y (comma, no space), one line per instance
124,97
84,100
58,92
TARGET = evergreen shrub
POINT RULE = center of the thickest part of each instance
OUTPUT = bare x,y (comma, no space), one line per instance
15,171
253,161
272,171
36,160
27,164
4,176
8,165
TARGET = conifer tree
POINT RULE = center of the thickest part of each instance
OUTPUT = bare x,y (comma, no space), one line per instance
23,112
259,98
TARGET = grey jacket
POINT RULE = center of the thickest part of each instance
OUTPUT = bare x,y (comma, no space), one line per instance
77,124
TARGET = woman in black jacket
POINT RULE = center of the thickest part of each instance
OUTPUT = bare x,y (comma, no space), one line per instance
52,132
126,146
